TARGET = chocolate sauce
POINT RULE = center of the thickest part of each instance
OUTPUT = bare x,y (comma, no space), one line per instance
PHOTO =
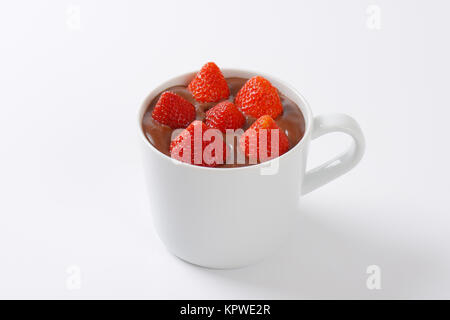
291,120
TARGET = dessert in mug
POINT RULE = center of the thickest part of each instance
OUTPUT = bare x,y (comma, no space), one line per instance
223,122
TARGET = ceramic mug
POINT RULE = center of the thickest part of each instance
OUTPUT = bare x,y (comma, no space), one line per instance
232,217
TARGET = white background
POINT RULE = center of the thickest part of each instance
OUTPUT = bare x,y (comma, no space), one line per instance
71,184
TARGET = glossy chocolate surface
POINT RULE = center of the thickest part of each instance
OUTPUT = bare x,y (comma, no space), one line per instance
291,120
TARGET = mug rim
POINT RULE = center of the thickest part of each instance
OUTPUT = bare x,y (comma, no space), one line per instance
304,108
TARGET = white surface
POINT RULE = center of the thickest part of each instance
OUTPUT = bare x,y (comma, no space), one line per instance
71,182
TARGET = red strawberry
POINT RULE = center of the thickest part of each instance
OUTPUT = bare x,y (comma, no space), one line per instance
224,115
258,97
196,145
209,84
254,139
173,110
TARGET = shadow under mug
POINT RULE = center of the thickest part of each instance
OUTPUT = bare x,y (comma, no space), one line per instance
232,217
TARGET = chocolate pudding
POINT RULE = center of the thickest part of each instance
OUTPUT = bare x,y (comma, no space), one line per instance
159,135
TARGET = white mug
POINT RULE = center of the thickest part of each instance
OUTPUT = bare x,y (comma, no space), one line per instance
232,217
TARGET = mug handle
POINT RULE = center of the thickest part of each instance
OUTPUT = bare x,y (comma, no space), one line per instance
342,163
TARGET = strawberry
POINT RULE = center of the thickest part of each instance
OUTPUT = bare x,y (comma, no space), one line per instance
209,84
173,110
258,97
196,145
257,144
224,115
